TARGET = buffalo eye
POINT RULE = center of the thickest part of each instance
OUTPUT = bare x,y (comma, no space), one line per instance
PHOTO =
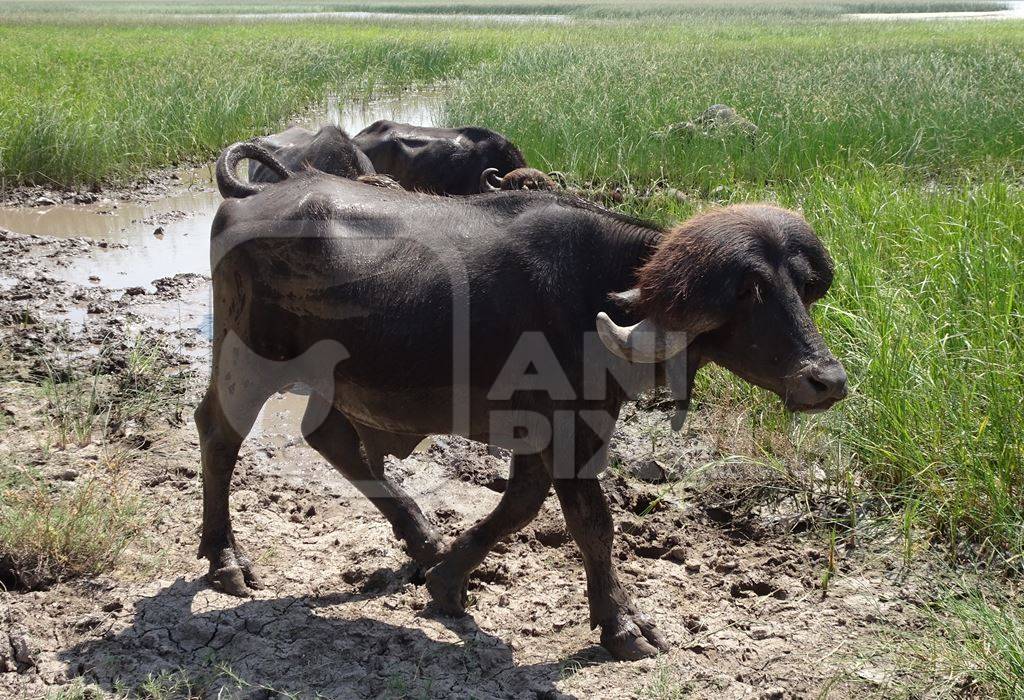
811,290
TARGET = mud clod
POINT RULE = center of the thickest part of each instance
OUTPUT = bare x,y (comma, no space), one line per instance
746,588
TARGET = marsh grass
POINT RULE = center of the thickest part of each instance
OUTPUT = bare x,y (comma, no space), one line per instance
830,95
990,635
117,393
925,313
75,408
80,105
975,647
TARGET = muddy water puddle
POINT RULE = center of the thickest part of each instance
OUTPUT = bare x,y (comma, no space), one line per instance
149,239
422,107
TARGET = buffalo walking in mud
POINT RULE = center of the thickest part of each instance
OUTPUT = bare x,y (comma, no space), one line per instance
522,320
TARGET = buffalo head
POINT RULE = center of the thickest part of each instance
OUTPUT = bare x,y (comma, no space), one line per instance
734,286
518,179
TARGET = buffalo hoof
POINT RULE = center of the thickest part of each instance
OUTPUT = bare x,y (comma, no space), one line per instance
426,553
633,636
448,592
233,574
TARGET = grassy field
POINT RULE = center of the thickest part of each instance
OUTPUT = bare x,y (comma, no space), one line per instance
902,143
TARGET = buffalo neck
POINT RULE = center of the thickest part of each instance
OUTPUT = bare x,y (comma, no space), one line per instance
625,247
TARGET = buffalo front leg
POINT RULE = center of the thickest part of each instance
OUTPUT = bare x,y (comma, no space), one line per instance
626,632
222,427
528,486
331,434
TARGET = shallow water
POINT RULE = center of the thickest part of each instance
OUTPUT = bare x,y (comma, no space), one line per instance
183,244
423,108
184,217
1014,10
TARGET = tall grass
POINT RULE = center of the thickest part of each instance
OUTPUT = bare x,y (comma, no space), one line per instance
578,8
982,645
930,98
927,313
90,103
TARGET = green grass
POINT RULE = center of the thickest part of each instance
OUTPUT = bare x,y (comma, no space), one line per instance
89,104
925,312
828,94
974,647
904,158
986,643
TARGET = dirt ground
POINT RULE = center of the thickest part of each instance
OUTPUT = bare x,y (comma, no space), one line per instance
737,588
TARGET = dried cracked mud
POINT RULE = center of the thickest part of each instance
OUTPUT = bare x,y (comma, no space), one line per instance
736,589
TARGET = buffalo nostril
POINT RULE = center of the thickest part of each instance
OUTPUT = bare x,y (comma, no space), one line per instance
828,379
819,386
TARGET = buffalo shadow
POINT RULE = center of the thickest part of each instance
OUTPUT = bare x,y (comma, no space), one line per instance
283,647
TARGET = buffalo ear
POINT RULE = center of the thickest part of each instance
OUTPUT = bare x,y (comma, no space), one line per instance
684,289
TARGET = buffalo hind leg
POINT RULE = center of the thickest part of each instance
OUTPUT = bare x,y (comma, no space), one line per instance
223,425
626,632
528,486
331,434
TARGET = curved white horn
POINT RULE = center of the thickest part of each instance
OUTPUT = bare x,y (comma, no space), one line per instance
487,180
645,342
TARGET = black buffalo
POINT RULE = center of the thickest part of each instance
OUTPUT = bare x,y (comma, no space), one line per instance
464,160
517,319
329,150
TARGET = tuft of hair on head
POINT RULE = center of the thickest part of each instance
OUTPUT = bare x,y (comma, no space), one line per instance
690,281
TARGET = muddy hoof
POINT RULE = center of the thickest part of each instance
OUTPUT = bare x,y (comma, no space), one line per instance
230,580
233,574
252,579
633,637
449,595
426,554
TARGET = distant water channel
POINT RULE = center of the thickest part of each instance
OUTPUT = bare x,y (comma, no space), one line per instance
1014,10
